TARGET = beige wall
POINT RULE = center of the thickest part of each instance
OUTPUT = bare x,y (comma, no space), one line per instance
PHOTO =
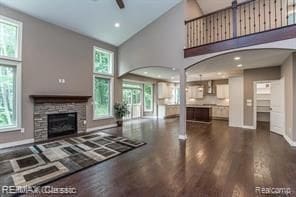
250,76
50,53
192,10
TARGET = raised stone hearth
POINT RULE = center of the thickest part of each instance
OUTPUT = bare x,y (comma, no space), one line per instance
46,105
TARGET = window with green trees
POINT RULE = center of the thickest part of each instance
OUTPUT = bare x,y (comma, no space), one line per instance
7,96
10,62
103,83
148,97
103,61
8,38
102,97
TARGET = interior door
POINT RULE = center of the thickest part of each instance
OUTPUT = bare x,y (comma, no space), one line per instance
277,111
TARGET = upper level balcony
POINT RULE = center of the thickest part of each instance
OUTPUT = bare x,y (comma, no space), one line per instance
241,25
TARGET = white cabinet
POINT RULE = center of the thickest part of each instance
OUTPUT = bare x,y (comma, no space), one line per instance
195,92
163,90
220,112
223,91
166,111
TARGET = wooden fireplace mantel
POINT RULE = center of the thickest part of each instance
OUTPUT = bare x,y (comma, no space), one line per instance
59,98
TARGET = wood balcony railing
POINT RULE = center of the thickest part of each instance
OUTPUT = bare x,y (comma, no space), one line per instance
239,20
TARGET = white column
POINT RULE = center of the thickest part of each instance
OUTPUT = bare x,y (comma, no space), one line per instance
182,127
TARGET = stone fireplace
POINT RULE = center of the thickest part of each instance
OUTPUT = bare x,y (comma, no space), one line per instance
58,115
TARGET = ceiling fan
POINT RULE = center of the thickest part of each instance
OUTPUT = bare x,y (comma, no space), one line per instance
120,4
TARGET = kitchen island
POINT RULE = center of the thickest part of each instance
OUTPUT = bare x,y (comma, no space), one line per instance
199,113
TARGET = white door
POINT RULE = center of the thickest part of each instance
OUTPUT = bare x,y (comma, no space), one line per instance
277,111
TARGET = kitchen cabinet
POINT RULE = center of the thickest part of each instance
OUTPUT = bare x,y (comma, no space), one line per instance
200,114
163,90
220,112
166,111
223,91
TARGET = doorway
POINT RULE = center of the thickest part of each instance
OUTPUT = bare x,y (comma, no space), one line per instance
269,105
132,95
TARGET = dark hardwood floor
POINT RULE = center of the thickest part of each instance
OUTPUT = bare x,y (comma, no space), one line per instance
215,161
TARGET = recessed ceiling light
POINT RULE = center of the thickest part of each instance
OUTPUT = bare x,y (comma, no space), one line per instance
237,58
172,77
145,73
219,73
117,25
159,76
224,76
173,68
240,65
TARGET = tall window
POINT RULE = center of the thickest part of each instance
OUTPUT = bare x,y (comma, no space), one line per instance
148,97
10,73
103,83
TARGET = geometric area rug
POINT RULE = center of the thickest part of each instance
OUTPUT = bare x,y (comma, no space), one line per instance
46,162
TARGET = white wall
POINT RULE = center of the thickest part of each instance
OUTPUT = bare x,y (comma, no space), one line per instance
236,104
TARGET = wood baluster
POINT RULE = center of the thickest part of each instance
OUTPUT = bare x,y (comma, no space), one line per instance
269,14
281,10
240,20
194,39
229,24
250,26
210,29
259,15
187,28
203,31
275,16
245,20
264,9
221,26
254,24
225,23
217,19
200,28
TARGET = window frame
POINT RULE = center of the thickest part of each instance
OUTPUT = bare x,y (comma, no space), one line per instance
111,85
19,25
18,94
152,98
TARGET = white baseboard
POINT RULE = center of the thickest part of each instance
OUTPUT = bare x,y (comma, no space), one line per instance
183,137
291,142
16,143
248,127
101,128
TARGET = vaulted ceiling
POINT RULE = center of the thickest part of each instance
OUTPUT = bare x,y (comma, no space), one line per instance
96,18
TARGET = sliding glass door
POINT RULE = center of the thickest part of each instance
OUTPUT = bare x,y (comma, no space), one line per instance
132,95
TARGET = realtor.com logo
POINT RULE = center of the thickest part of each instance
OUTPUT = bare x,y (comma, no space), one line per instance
37,190
273,190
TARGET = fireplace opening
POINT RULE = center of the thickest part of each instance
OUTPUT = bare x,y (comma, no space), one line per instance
61,124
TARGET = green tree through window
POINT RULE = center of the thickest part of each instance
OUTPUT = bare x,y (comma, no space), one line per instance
103,62
7,96
8,40
148,97
102,97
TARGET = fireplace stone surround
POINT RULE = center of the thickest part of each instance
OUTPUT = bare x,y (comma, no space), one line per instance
45,105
